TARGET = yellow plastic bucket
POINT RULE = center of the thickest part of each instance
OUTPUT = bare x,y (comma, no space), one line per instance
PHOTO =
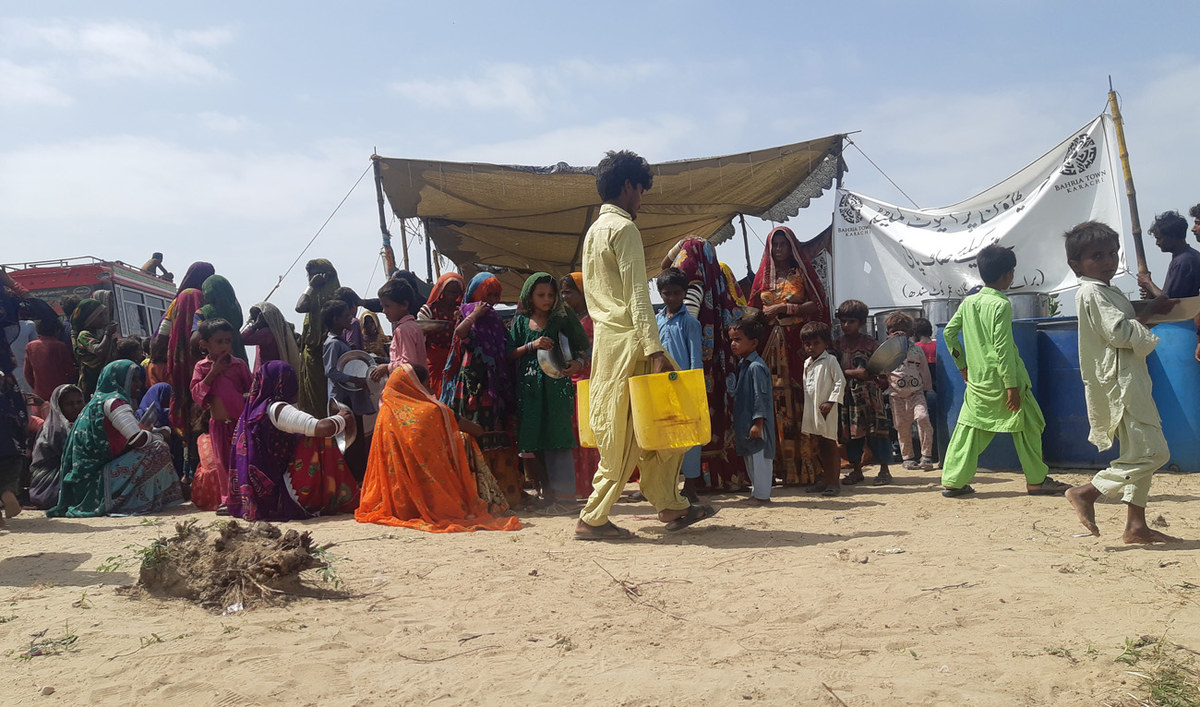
670,410
583,411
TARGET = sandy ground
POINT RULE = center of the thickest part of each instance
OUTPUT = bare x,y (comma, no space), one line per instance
889,595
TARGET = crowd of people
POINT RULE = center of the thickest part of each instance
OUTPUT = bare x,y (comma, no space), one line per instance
458,419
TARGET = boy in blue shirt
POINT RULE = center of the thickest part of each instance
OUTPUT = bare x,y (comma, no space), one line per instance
679,332
753,409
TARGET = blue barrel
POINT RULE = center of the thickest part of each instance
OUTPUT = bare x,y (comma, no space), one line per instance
1065,443
1175,375
1000,454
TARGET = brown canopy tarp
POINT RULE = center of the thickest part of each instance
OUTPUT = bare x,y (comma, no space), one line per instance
519,220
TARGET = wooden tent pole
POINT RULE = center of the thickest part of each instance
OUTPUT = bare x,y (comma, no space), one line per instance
746,244
428,254
1134,221
389,256
404,241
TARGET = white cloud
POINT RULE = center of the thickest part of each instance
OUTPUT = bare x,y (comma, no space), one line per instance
123,50
221,123
528,91
29,86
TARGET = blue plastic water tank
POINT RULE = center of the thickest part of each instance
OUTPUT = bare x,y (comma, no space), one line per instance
1000,454
1060,393
1175,375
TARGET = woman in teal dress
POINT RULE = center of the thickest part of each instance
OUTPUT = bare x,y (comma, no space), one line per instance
110,465
545,404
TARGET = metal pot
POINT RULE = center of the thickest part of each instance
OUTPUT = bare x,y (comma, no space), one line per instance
881,316
939,309
1030,305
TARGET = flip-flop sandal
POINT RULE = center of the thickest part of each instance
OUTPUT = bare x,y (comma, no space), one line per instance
853,478
882,479
694,514
814,489
831,492
1049,487
608,531
955,493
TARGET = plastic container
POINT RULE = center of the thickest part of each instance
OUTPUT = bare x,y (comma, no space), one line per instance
583,412
670,410
1065,442
1175,375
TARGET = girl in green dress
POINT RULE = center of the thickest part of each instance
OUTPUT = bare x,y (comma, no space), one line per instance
545,405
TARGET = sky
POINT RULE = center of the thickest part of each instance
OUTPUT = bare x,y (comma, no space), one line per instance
230,131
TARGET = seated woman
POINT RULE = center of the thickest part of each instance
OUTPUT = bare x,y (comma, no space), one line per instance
285,466
419,475
110,465
155,412
45,472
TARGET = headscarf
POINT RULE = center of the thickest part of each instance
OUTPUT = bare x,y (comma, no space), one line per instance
718,309
195,276
45,469
88,449
436,309
378,345
418,475
180,363
481,286
262,452
531,282
577,278
158,399
488,342
282,330
732,285
221,301
766,276
87,314
104,297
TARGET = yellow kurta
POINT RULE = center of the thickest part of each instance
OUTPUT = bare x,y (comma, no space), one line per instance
626,334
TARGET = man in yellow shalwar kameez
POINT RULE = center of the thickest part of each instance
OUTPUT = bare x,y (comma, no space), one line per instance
626,344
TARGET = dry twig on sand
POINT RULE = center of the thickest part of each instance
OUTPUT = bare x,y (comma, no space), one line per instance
446,657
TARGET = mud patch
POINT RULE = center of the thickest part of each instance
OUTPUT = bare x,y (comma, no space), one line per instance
229,563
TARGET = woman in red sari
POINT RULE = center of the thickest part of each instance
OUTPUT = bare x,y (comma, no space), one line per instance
419,475
789,293
442,306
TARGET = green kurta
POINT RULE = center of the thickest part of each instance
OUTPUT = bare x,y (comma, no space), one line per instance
993,365
545,404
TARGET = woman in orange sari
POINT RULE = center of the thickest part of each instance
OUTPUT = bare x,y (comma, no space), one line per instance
788,292
419,475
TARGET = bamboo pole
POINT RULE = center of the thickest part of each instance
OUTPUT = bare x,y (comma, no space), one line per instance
746,244
1134,221
404,241
389,256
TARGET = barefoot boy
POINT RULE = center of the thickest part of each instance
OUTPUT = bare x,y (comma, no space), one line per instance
1113,345
999,395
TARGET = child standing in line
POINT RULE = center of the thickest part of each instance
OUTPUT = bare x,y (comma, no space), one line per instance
335,317
1113,346
679,332
824,386
922,335
396,297
999,395
587,459
864,420
544,404
220,382
908,384
753,408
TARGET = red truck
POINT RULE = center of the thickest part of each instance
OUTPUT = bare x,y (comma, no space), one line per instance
139,300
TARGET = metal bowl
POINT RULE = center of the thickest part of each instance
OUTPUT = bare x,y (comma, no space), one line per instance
554,361
889,355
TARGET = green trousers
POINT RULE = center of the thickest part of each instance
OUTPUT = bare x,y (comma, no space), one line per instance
967,443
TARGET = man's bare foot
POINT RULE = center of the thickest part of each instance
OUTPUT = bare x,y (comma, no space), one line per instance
1084,504
12,507
1146,535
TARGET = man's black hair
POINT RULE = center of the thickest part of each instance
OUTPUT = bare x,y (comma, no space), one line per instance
995,261
619,167
1169,225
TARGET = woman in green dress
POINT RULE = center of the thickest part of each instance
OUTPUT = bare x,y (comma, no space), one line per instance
546,435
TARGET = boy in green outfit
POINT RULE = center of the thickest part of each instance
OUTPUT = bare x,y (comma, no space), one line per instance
999,396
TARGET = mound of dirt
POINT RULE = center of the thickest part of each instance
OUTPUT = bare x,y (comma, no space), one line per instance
228,563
